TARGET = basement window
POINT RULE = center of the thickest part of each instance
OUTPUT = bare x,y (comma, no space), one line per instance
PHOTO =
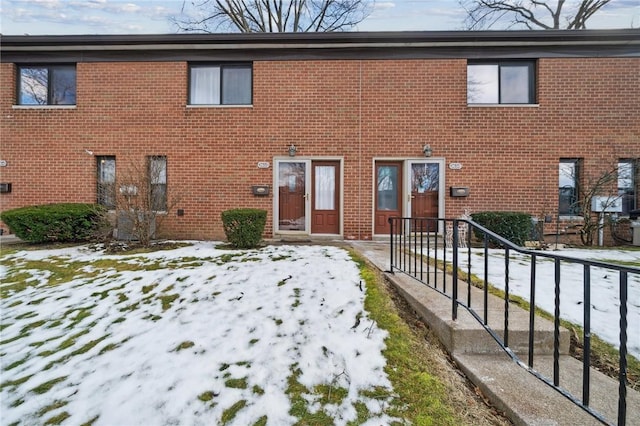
47,85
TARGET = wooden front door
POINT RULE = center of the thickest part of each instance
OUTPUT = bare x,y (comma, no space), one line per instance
325,197
292,196
388,194
425,183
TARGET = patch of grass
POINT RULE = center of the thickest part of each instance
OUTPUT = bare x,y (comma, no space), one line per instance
236,383
81,315
207,396
257,390
296,296
167,300
406,363
262,421
226,258
46,386
230,413
53,406
621,262
90,422
32,325
253,341
184,345
299,405
331,394
280,257
147,288
14,338
15,364
57,419
26,315
68,343
107,348
362,413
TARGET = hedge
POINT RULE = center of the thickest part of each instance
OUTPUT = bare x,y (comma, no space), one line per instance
63,222
244,227
514,226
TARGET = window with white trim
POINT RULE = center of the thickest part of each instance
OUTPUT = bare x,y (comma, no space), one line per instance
106,181
158,182
568,187
627,184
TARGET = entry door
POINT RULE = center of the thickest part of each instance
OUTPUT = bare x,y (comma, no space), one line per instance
388,194
424,178
292,196
325,197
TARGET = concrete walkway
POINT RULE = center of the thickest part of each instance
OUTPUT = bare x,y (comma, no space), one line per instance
525,399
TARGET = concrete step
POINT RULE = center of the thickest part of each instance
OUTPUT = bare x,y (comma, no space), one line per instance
509,385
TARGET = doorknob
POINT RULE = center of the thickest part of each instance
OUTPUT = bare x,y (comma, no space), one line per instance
306,196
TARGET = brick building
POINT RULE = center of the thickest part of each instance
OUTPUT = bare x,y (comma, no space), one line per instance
331,133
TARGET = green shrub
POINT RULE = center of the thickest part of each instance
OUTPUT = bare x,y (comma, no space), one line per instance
68,222
244,227
515,227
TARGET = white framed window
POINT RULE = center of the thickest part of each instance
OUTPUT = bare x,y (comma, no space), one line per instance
627,185
158,182
568,187
106,170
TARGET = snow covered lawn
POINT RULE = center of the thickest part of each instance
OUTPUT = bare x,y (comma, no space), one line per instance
605,290
193,336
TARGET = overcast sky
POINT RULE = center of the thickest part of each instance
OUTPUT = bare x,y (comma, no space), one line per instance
152,16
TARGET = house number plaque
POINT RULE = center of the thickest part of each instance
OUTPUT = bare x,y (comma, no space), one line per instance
263,165
455,166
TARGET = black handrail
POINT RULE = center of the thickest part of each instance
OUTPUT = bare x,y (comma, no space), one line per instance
407,244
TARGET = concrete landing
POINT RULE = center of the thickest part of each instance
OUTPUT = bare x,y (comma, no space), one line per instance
525,399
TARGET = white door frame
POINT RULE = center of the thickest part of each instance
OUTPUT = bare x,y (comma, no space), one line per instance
441,185
308,191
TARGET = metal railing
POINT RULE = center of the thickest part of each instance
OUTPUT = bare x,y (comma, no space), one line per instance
438,253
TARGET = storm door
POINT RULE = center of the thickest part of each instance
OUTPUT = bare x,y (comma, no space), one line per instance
388,194
424,181
292,195
325,199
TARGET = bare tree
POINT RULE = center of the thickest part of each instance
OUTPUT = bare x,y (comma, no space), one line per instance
602,186
530,14
142,202
247,16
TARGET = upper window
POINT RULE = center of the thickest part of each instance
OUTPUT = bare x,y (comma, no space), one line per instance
47,85
505,82
158,182
107,181
568,178
228,84
626,185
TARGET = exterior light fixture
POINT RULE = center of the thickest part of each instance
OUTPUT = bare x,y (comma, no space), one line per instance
292,150
427,150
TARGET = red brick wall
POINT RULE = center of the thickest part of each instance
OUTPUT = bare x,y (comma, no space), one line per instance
357,110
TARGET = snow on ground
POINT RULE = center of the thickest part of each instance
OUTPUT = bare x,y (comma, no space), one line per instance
605,289
182,336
